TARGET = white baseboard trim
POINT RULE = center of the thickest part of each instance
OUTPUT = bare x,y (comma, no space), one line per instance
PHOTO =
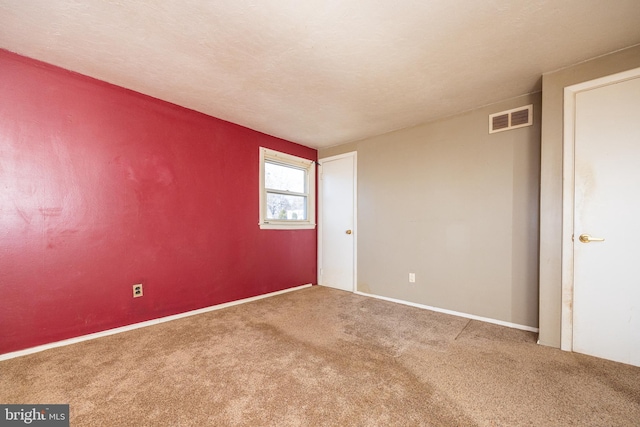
144,324
453,313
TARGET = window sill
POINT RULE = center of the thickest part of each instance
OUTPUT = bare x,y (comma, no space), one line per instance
286,226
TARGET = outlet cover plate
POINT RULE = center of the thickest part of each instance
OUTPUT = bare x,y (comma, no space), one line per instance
137,290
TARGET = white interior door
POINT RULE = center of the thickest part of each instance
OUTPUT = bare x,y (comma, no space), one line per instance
337,239
606,312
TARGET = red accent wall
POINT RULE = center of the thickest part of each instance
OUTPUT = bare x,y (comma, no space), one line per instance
102,188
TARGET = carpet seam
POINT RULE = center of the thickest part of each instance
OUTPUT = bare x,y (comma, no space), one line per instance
465,327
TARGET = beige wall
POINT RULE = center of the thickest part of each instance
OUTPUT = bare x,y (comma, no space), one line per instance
456,206
553,85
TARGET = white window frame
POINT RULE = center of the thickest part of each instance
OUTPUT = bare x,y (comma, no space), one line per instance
309,166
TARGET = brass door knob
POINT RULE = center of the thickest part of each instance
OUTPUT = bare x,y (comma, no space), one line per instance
348,231
585,238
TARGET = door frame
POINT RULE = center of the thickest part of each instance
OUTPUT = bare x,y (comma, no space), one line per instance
568,196
354,155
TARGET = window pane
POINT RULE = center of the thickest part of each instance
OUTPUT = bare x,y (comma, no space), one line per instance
284,207
284,178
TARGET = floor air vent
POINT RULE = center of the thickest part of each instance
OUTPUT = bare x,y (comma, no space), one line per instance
511,119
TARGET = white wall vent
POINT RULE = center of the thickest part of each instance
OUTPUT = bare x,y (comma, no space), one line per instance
511,119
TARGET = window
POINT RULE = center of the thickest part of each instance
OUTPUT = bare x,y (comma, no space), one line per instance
287,191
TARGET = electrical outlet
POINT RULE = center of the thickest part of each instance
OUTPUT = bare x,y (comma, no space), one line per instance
412,277
137,290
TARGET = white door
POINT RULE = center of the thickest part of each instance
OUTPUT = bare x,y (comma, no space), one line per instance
337,231
606,313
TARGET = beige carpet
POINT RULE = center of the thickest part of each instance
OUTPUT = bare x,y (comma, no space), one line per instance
318,357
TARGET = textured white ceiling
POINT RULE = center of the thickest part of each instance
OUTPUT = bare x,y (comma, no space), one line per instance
320,72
